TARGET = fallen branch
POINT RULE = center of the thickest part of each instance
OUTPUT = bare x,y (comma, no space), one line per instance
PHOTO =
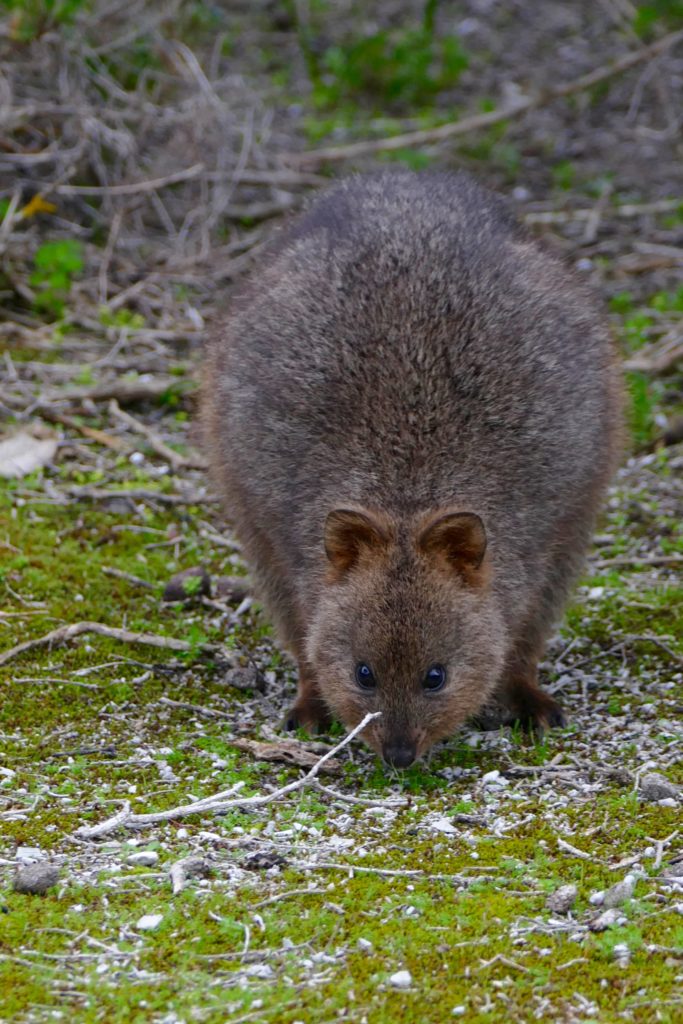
661,362
66,633
584,213
515,109
100,436
176,459
636,560
124,391
365,869
131,189
119,574
163,497
218,802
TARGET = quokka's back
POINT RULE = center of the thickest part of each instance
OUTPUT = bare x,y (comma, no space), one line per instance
412,412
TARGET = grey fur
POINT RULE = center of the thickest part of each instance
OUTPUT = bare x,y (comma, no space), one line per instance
406,348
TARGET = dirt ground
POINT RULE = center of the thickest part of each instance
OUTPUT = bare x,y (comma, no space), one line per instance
167,852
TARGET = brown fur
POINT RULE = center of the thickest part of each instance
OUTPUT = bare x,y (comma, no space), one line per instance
413,412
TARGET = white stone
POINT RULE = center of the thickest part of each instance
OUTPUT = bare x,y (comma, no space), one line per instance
29,854
490,777
443,825
144,858
148,922
596,899
401,979
365,945
620,892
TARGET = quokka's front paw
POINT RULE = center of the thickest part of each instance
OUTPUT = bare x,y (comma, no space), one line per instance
310,713
536,711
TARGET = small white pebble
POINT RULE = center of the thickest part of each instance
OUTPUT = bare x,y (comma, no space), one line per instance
137,458
490,777
148,922
402,979
144,858
364,944
458,1011
622,953
182,833
668,801
596,899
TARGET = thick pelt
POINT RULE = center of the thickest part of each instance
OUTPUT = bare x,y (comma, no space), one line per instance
407,354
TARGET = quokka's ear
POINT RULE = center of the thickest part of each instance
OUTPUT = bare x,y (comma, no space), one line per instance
458,541
350,534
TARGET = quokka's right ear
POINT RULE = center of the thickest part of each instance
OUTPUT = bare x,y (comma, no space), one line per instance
352,534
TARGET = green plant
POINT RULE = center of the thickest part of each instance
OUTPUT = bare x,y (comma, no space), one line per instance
31,18
564,175
56,264
405,66
641,412
121,318
667,12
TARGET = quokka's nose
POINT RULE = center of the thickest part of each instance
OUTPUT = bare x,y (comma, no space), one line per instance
399,755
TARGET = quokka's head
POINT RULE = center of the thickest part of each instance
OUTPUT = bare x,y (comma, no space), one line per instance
407,624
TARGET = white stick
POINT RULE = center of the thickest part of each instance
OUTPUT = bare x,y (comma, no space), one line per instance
218,801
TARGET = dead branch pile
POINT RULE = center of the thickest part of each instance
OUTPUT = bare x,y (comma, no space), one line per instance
114,132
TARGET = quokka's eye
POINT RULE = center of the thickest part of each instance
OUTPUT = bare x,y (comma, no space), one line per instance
435,679
364,676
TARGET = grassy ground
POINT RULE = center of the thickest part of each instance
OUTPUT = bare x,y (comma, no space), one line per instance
310,908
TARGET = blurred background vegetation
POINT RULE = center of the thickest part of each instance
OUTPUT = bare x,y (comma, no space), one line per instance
147,150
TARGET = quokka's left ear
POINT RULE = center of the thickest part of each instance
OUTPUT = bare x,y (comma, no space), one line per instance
458,541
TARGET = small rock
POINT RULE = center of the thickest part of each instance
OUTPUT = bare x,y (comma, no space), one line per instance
232,588
188,867
36,879
562,900
620,892
622,954
259,971
596,899
621,776
244,677
29,854
459,1011
263,861
655,787
674,869
606,920
148,922
490,777
365,945
144,858
668,801
402,979
443,825
188,585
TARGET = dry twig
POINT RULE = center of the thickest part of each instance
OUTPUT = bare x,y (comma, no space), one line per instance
220,801
516,109
64,634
